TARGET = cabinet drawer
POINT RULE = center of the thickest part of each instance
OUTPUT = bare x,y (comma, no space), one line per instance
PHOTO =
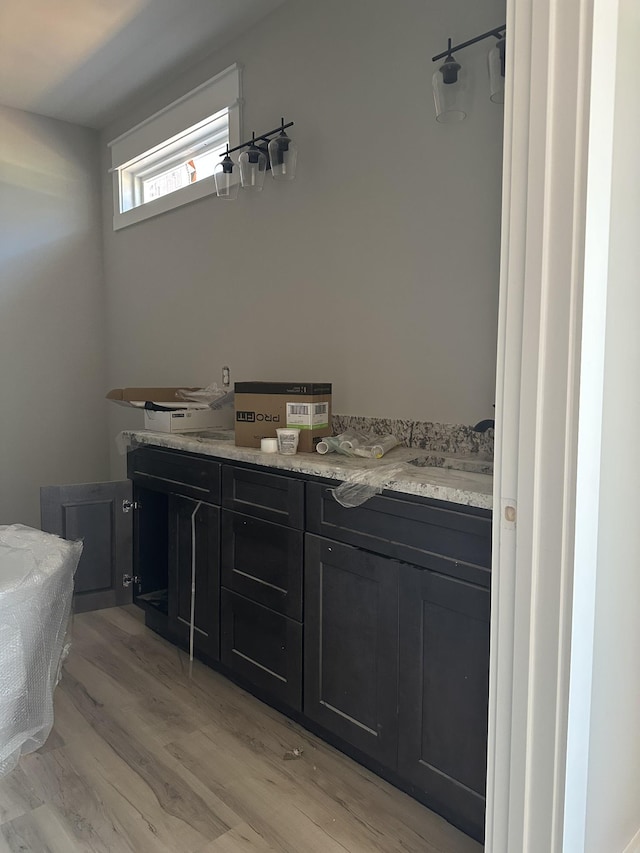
263,562
456,542
263,647
175,473
264,495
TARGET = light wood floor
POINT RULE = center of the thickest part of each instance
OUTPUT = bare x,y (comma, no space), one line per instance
144,758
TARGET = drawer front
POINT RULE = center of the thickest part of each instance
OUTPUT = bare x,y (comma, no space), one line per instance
455,542
264,495
175,473
263,647
263,562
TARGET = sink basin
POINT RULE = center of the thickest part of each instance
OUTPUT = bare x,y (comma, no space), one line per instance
476,463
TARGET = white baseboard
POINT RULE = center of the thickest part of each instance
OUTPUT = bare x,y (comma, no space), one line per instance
634,845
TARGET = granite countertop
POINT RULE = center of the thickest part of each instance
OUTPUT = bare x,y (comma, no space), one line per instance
445,484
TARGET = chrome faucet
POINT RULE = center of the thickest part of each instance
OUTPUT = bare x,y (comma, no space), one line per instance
483,426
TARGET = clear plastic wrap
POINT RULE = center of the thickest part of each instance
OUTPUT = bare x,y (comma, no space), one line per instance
342,443
376,447
212,396
362,485
369,445
328,445
36,588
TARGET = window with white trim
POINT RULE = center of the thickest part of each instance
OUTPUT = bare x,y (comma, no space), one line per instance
168,160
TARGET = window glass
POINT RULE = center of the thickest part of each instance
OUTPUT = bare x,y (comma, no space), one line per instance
169,159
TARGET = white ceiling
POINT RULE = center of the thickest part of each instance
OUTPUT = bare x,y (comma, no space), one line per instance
78,60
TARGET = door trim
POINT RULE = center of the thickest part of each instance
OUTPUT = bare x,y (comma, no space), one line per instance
560,70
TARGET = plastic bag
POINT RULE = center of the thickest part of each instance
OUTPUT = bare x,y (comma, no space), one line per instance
36,587
362,485
212,395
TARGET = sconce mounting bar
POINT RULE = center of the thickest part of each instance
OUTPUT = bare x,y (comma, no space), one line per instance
264,136
498,32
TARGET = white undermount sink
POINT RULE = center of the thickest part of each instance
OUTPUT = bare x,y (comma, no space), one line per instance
477,463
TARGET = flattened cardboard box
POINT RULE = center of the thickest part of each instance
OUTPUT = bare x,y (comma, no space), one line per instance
262,407
133,396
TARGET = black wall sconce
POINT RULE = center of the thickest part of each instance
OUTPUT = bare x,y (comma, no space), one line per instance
450,89
273,150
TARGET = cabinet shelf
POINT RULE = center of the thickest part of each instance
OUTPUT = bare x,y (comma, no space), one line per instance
156,600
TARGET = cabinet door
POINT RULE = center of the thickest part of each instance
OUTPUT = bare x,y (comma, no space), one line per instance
443,693
263,561
207,574
351,646
97,513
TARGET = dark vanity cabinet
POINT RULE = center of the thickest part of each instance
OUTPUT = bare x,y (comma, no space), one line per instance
370,625
262,540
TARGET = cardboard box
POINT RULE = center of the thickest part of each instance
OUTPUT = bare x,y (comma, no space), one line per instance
185,420
139,396
185,416
262,407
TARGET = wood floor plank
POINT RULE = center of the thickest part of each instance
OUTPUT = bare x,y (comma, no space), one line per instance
172,793
149,828
82,812
323,771
22,834
40,831
117,682
238,770
241,839
54,741
17,796
128,618
151,755
68,721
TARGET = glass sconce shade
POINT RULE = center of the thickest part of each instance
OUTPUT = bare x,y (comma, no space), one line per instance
496,62
450,91
253,168
226,183
283,154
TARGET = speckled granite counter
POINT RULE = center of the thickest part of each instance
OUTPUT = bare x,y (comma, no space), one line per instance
461,487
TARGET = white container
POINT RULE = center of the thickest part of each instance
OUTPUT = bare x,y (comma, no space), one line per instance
188,420
269,445
288,441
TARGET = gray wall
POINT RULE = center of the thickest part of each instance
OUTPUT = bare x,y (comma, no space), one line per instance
52,354
376,269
